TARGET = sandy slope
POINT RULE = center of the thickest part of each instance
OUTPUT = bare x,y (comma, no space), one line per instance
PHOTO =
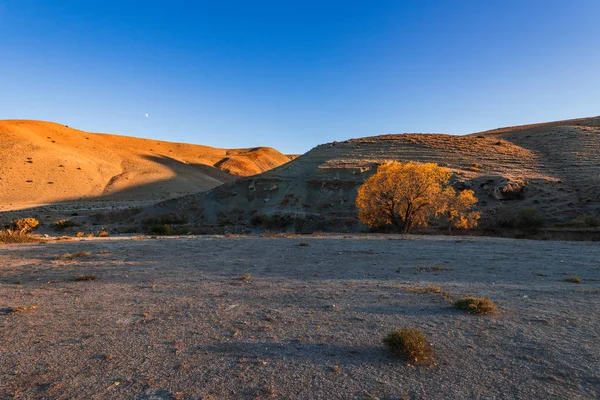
171,319
557,162
42,162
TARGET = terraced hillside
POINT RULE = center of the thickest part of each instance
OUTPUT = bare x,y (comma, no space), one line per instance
44,162
553,167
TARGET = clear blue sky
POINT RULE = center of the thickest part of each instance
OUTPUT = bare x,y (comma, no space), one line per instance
294,74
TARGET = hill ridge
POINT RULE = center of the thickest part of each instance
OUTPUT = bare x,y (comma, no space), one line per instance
45,162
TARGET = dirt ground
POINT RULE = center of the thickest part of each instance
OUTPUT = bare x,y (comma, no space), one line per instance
254,317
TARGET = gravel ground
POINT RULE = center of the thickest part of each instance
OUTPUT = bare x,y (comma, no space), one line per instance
252,317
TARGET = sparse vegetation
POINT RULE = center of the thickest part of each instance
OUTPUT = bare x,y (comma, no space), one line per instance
528,219
25,225
77,254
475,305
21,309
573,279
103,233
81,278
434,268
162,230
409,343
8,236
403,196
422,289
64,224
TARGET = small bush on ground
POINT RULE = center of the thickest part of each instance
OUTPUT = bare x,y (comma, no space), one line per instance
409,343
573,279
8,236
64,224
528,219
77,254
476,305
21,309
103,233
25,225
81,278
162,229
590,221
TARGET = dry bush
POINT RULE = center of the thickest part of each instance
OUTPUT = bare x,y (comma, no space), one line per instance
434,268
64,224
20,309
77,254
25,225
476,305
411,344
573,279
82,278
8,236
103,233
422,289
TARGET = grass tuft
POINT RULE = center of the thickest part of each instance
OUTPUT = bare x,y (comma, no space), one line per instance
103,233
77,254
81,278
434,268
422,289
409,343
21,309
573,279
8,236
476,305
64,224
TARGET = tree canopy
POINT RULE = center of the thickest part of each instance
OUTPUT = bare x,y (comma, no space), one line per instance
409,195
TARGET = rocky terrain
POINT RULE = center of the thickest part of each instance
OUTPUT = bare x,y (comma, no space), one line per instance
552,167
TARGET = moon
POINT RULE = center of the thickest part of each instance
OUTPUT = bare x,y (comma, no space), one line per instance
146,115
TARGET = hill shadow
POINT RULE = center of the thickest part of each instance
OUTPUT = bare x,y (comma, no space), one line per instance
188,178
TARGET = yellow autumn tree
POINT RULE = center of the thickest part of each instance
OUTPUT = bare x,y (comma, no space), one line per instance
408,195
459,212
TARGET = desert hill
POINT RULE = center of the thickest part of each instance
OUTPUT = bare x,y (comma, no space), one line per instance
553,167
45,162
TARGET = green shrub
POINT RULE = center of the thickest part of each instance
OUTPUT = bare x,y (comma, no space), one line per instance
409,343
162,229
528,219
590,221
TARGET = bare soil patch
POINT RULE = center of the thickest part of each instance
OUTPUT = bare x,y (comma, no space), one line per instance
254,317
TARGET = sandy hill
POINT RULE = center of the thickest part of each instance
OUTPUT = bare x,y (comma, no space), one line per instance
44,162
553,167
